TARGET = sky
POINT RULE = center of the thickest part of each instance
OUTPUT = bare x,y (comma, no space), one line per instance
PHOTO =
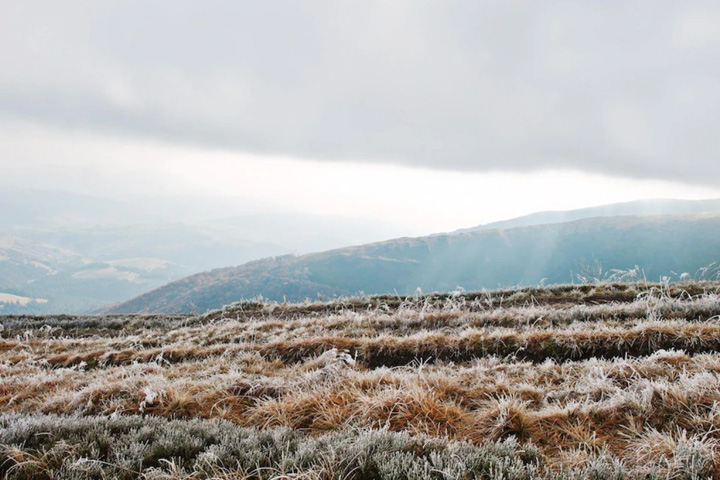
432,115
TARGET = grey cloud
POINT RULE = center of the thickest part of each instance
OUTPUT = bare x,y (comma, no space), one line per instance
626,88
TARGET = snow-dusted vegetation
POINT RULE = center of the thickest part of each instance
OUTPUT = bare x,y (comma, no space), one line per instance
604,381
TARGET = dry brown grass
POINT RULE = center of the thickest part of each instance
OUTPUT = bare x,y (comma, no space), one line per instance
639,380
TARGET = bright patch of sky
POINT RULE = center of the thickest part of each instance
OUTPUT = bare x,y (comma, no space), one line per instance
417,199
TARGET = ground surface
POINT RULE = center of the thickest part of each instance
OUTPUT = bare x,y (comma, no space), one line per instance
596,381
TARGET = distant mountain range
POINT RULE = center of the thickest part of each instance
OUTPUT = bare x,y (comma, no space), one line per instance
658,206
519,253
68,253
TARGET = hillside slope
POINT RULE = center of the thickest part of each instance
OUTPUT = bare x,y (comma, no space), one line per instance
555,253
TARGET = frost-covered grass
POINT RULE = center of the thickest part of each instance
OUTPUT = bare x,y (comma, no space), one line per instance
595,381
48,446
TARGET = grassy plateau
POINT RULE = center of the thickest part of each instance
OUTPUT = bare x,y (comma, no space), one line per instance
603,381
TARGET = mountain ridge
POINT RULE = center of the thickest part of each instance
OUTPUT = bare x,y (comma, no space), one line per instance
474,260
653,206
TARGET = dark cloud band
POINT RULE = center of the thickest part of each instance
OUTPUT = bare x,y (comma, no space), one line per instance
596,86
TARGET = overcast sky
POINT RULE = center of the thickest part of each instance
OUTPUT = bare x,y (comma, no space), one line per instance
443,113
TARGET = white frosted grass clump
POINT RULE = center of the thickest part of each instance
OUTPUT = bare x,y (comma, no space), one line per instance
331,365
336,357
149,397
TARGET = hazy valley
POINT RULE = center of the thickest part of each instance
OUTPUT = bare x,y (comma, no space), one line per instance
83,253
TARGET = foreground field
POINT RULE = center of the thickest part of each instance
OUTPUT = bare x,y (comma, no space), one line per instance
603,381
